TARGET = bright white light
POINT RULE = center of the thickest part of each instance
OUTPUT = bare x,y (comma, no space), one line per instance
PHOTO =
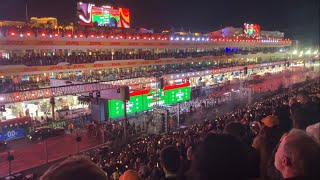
193,39
295,52
301,52
315,52
171,38
188,39
1,98
308,52
182,39
21,35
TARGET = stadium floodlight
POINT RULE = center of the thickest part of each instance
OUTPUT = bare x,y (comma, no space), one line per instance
301,53
295,52
308,51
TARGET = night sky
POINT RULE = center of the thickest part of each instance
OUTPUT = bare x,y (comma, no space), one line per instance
297,18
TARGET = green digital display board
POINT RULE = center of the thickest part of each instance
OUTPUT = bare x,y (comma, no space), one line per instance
115,108
144,102
135,104
178,95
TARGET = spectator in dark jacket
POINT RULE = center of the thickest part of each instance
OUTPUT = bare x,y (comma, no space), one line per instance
170,162
238,130
220,157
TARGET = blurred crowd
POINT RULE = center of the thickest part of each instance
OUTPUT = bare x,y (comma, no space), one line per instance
8,85
33,59
277,137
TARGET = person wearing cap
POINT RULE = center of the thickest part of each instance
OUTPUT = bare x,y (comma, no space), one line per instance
266,141
270,121
130,175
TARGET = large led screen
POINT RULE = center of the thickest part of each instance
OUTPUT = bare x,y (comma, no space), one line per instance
252,30
145,99
92,15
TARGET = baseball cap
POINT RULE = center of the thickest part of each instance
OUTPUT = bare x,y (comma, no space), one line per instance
270,121
129,175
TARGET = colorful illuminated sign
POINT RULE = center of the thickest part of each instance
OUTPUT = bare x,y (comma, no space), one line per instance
115,108
145,99
252,30
92,15
178,95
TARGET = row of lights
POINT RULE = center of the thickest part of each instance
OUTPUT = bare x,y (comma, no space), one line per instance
171,38
92,36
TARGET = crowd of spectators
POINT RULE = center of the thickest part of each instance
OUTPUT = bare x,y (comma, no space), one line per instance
38,60
7,85
274,138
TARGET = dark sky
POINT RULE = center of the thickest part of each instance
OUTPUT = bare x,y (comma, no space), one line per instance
299,19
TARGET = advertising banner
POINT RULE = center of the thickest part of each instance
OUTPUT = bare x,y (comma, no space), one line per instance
55,124
92,15
12,134
144,100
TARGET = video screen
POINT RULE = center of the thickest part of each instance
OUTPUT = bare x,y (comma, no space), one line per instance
91,15
252,30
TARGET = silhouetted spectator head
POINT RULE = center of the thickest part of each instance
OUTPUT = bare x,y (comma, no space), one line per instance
236,129
316,99
292,101
80,168
301,118
220,157
302,97
170,160
298,155
285,123
189,154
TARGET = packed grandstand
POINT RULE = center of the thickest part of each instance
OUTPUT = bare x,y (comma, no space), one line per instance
232,104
